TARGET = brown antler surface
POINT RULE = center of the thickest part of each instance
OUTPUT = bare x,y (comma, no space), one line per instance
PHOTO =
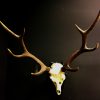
26,53
83,48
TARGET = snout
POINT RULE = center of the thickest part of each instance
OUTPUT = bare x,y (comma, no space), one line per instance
58,92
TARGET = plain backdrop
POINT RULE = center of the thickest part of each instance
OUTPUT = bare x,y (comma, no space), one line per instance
51,36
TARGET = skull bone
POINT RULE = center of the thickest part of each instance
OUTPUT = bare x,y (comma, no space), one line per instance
57,76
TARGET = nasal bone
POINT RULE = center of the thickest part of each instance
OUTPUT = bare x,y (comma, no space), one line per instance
58,92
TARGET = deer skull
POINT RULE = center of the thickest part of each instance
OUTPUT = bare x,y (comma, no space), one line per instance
57,70
57,76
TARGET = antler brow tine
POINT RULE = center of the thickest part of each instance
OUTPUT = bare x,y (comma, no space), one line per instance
83,48
26,53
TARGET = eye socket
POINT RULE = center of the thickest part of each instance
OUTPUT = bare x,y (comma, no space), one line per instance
59,82
62,79
54,82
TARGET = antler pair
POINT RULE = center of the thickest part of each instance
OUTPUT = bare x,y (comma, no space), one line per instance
66,65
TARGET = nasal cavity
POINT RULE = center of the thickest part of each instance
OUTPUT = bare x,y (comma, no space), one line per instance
58,91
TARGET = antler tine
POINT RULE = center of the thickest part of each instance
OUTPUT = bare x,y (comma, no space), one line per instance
92,26
84,37
83,48
26,53
11,32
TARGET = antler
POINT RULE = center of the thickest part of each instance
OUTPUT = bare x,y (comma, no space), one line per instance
26,53
75,54
83,48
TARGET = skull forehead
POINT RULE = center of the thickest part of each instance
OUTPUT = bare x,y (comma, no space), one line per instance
59,65
56,68
56,73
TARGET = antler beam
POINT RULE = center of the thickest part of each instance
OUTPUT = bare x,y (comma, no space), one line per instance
83,48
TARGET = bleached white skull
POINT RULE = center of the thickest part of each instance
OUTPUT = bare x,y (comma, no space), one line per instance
57,76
